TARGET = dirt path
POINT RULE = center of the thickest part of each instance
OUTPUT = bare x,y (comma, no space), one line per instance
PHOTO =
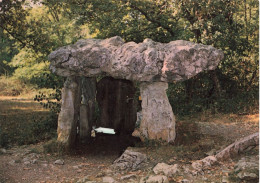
30,163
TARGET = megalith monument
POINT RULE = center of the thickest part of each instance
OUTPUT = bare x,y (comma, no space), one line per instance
150,63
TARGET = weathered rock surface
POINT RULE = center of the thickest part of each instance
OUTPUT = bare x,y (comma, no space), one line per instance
146,61
157,179
68,116
130,160
205,163
247,169
127,177
158,121
230,151
59,162
168,170
239,146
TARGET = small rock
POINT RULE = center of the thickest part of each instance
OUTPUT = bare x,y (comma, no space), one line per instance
186,169
185,181
59,162
45,165
100,174
83,179
108,172
225,179
27,162
26,159
247,168
34,161
212,152
168,170
126,177
204,178
75,167
12,162
130,160
247,176
157,179
194,173
3,151
142,180
108,180
204,163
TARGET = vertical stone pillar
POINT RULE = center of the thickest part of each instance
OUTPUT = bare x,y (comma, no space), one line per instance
158,121
69,114
87,108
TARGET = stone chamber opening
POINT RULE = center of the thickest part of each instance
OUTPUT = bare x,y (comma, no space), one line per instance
106,104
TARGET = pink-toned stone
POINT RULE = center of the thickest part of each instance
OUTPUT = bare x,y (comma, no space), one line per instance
158,121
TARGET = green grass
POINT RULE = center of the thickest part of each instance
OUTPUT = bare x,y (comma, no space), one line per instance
23,121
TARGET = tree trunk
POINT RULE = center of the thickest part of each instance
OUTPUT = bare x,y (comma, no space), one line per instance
216,83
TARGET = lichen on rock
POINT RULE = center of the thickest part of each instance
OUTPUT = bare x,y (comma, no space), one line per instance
147,61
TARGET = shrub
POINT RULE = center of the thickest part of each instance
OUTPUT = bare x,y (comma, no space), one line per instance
36,131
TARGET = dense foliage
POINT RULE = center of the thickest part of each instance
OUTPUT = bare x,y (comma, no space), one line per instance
31,29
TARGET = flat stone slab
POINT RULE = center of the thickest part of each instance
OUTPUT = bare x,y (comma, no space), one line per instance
147,61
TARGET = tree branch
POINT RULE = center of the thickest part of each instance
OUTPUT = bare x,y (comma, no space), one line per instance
152,20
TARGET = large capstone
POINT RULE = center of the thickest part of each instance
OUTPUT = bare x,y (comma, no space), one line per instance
147,61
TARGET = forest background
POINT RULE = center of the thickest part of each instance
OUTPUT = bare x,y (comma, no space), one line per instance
31,29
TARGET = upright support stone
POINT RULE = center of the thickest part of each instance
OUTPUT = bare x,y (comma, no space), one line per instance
69,114
158,121
87,108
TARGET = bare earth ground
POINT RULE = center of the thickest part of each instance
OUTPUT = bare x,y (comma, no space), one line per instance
196,138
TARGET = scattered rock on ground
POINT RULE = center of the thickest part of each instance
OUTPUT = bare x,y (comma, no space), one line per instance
27,162
83,180
225,179
126,177
108,180
204,163
100,174
12,162
3,151
247,176
168,170
248,168
59,162
157,179
130,160
185,181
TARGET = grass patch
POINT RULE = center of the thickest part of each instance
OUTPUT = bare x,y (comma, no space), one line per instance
24,121
36,131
